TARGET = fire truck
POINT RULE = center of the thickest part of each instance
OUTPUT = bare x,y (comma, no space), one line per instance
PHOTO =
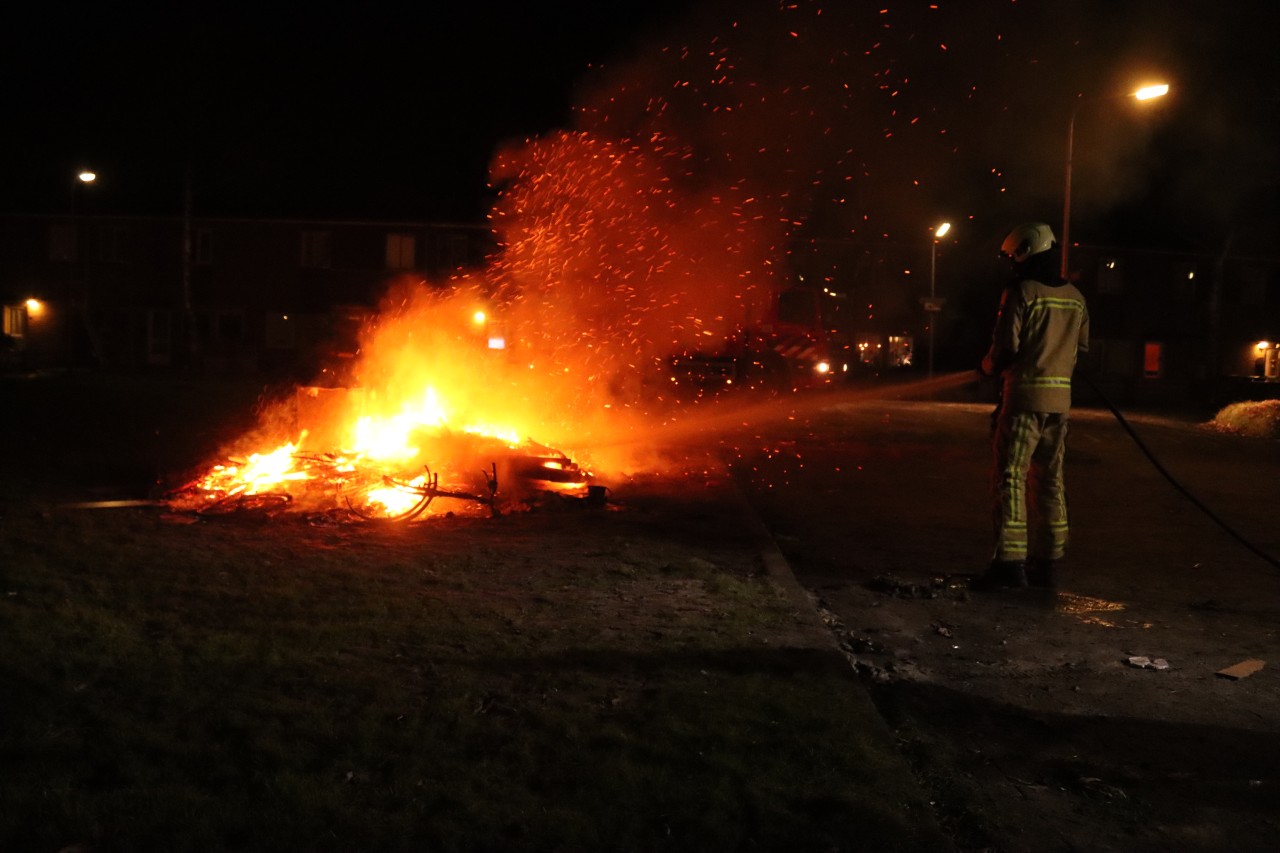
788,350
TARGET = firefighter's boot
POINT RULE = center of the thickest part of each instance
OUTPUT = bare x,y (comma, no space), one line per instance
1003,574
1042,572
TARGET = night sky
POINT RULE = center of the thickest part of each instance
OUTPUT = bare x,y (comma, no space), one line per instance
344,110
854,119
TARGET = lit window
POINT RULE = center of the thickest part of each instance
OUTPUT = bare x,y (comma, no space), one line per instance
497,336
869,349
1152,360
900,351
15,321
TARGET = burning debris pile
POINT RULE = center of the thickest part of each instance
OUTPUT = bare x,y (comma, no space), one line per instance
351,463
368,485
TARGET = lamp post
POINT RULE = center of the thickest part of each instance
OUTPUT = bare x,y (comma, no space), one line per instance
1146,93
85,177
80,264
933,306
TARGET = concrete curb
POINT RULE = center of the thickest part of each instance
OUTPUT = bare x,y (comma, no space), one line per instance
930,835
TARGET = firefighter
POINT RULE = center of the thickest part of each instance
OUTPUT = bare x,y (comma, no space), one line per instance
1042,324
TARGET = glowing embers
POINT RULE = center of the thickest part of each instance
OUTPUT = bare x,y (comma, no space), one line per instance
350,461
1086,609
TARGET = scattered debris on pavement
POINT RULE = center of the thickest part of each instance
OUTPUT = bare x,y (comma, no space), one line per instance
898,588
1144,662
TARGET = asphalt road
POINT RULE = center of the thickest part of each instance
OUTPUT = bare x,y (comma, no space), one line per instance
1022,711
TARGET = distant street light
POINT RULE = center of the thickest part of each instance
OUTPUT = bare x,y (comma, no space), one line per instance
86,177
1146,93
933,307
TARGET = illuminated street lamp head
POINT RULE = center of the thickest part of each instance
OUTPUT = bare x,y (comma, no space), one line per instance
1157,90
87,177
942,230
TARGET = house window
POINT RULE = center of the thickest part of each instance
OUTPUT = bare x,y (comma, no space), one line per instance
870,349
159,336
456,250
899,351
62,242
15,320
1184,282
230,326
317,249
1113,356
1152,360
400,251
1110,278
204,246
111,240
1253,286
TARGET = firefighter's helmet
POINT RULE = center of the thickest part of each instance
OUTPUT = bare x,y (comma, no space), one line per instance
1030,238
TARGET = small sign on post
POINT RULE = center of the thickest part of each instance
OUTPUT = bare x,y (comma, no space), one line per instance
933,303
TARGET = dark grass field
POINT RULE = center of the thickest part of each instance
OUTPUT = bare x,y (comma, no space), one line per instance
625,678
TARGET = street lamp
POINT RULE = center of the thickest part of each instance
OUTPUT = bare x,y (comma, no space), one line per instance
933,306
79,264
1146,93
86,177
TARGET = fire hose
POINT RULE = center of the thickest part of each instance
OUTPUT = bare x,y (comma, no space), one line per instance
1151,457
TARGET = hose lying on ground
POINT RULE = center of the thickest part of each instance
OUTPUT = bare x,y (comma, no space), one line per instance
1181,488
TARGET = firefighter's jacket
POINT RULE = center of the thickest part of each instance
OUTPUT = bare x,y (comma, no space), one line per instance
1037,335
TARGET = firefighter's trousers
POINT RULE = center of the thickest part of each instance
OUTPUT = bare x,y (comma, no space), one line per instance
1029,448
